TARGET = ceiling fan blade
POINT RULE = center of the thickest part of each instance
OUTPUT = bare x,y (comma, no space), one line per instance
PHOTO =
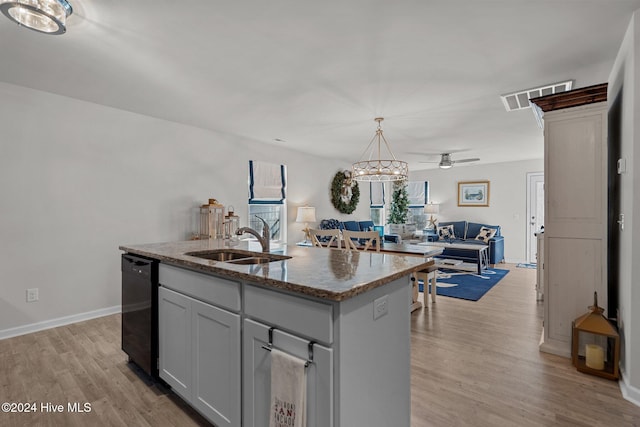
423,153
466,160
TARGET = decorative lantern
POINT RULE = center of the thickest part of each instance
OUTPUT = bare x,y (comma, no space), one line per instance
212,220
595,344
231,224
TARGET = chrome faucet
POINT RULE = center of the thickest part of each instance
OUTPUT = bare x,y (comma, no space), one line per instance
264,239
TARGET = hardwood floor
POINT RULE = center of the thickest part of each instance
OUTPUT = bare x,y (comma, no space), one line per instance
478,364
473,364
82,363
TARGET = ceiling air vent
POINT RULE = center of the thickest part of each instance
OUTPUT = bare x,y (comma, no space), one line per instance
520,100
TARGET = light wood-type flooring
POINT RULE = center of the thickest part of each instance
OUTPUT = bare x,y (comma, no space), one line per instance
473,364
478,364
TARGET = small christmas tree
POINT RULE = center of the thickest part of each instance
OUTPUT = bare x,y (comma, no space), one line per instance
399,203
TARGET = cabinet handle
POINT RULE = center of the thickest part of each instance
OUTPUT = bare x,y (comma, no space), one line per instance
310,349
269,347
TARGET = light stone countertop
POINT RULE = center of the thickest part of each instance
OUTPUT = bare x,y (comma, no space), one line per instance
331,274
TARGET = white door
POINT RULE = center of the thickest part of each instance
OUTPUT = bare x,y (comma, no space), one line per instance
535,211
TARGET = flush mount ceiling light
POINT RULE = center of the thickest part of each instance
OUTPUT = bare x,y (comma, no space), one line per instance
44,16
378,169
446,162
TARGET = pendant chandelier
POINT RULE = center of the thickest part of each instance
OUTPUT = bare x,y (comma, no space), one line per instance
376,168
44,16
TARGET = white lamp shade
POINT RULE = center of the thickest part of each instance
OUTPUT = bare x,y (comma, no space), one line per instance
432,208
306,214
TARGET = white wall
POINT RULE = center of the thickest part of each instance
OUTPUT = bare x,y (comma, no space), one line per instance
507,198
79,179
624,78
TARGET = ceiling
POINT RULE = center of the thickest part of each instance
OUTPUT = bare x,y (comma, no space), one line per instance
312,76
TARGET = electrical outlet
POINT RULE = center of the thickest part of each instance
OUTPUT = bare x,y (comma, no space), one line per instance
32,295
380,307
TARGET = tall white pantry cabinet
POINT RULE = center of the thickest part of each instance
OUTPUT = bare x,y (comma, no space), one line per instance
575,229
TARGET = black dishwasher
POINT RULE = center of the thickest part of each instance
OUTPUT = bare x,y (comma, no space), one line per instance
140,312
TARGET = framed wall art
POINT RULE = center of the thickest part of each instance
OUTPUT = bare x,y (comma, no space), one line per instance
473,193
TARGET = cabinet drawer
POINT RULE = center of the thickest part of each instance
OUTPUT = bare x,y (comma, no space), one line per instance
305,317
211,289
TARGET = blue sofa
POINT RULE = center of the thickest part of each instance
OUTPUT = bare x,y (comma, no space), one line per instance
327,224
466,232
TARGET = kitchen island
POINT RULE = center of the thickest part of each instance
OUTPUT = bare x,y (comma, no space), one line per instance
346,312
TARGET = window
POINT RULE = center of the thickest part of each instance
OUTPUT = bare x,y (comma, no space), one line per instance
418,192
376,203
378,216
267,198
274,215
418,217
418,198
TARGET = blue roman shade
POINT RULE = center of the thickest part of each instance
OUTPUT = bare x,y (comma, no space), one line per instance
376,194
418,193
267,183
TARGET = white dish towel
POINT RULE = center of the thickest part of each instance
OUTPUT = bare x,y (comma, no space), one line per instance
288,390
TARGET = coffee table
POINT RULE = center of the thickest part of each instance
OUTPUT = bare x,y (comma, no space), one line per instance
479,254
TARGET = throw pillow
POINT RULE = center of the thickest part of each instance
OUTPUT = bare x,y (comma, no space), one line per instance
446,232
486,233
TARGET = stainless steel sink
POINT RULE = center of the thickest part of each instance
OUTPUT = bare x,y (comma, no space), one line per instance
252,260
236,256
222,254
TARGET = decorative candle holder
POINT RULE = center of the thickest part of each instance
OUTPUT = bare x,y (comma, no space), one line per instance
231,224
212,220
595,344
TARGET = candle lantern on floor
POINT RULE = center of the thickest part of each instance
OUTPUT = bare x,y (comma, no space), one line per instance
595,344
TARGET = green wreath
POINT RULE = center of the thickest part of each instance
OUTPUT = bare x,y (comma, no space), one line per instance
338,196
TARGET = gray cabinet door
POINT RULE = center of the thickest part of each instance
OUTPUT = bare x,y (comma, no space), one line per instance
257,376
174,329
216,363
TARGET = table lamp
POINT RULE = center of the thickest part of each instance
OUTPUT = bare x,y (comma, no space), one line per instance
306,214
432,208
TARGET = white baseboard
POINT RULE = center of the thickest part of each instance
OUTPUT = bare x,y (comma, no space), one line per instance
60,321
557,348
629,392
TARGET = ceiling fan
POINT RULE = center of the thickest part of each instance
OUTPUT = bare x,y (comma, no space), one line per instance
446,161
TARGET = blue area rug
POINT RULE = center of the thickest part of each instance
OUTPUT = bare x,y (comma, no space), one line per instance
465,285
527,265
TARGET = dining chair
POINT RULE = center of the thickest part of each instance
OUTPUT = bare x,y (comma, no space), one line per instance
325,238
361,240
